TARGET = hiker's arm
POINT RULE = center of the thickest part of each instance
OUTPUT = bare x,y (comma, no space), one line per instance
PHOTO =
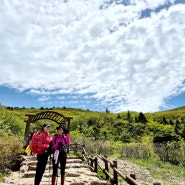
68,140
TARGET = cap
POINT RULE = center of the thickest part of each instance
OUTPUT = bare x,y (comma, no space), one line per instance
46,125
63,127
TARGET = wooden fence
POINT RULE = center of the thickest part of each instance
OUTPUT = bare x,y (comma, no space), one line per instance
108,167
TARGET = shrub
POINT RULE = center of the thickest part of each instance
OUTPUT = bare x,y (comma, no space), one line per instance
11,147
173,152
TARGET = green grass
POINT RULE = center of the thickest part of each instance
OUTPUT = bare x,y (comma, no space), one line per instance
2,176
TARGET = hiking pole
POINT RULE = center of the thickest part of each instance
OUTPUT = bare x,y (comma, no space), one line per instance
57,173
57,179
49,168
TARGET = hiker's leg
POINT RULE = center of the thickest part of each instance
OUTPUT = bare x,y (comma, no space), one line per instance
38,174
54,174
41,165
55,168
63,166
62,179
53,180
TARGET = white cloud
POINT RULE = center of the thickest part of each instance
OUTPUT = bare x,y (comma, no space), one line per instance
44,98
126,63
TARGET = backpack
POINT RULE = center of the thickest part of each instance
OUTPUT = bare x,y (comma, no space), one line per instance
34,143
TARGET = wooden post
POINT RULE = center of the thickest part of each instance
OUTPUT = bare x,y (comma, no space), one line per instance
83,146
115,173
133,176
68,125
156,183
26,134
76,147
96,165
106,167
91,160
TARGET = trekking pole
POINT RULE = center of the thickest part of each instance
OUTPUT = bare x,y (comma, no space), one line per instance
57,179
57,173
49,168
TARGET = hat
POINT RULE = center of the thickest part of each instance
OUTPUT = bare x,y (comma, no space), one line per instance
46,125
63,127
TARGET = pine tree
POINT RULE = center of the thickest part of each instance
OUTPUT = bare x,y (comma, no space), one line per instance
177,128
141,118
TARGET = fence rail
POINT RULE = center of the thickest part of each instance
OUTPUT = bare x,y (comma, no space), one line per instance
108,167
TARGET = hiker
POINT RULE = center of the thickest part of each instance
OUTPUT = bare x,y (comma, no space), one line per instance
59,149
31,135
44,141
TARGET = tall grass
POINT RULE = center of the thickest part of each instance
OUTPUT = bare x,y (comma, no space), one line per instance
145,155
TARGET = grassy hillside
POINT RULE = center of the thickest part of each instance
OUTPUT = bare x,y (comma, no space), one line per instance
150,137
126,127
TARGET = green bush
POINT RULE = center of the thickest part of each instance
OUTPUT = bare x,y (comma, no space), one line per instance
173,152
11,147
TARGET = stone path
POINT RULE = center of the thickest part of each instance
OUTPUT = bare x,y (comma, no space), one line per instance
77,173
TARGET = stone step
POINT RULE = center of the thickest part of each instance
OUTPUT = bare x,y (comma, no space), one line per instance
33,160
77,173
74,161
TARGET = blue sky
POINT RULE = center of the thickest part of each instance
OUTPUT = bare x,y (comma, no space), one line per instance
116,54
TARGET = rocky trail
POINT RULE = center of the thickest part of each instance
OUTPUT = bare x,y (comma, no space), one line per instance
145,177
78,172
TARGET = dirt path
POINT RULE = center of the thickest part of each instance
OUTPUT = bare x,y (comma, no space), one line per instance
145,177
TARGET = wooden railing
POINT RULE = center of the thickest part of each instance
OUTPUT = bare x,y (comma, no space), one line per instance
108,167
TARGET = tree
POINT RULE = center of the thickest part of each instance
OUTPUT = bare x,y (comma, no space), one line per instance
177,127
106,110
118,116
183,130
141,118
171,122
129,117
164,121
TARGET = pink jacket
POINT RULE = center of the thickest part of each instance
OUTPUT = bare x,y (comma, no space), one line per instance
59,141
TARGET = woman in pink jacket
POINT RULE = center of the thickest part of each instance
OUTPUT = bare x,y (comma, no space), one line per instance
59,148
44,140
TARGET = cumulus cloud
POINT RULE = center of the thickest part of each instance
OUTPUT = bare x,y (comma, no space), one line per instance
103,50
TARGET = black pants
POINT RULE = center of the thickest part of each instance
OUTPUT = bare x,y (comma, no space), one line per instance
41,166
62,160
